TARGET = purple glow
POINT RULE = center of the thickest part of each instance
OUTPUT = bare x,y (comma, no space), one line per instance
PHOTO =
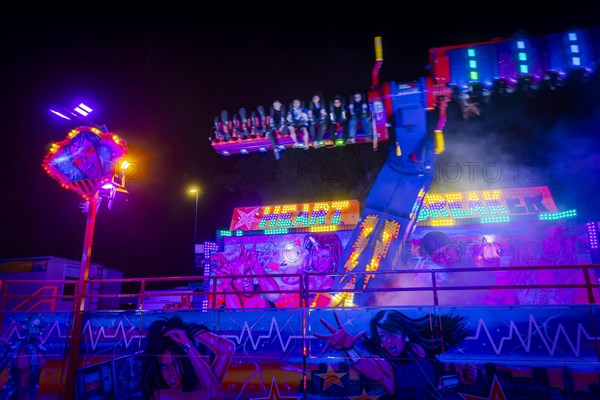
81,111
84,107
592,234
59,114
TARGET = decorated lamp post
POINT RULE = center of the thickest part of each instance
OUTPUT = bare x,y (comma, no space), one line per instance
83,162
195,191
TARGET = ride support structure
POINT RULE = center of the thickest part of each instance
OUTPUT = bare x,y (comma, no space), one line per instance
393,204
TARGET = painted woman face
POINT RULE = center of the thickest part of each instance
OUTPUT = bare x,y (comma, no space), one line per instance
392,343
245,284
321,259
552,241
170,368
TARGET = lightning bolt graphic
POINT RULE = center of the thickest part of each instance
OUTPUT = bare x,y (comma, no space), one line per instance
526,343
246,329
128,334
43,338
119,330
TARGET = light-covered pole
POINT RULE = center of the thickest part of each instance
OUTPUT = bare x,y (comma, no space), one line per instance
84,162
195,191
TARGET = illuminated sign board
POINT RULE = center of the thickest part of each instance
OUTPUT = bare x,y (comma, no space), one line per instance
325,213
487,204
23,266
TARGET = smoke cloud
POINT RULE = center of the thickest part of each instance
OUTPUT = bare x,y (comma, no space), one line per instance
545,137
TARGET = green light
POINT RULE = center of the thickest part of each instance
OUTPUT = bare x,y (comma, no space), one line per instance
424,214
475,206
276,231
558,215
524,69
284,222
495,220
224,233
438,212
474,76
457,212
471,52
472,64
301,218
522,56
268,219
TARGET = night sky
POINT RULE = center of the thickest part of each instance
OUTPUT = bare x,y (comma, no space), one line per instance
158,81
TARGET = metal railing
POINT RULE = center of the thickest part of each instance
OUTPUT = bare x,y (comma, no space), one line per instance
35,293
431,282
583,278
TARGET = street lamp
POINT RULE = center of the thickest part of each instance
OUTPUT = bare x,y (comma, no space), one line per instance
195,191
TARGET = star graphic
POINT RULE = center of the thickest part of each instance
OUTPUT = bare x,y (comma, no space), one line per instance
331,378
496,393
246,219
274,393
364,396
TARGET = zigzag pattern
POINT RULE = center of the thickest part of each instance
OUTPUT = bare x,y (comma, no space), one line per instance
550,345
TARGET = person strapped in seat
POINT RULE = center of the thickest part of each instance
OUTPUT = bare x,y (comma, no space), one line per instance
297,119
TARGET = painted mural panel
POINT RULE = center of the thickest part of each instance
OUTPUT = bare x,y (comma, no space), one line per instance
343,353
297,215
245,258
206,355
109,361
513,247
32,350
453,353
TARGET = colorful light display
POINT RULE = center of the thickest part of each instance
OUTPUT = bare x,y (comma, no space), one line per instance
359,245
443,209
319,217
509,60
558,215
85,160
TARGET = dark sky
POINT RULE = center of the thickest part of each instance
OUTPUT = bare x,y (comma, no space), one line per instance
159,79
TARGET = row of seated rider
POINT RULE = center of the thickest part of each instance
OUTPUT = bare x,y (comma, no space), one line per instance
241,127
340,120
